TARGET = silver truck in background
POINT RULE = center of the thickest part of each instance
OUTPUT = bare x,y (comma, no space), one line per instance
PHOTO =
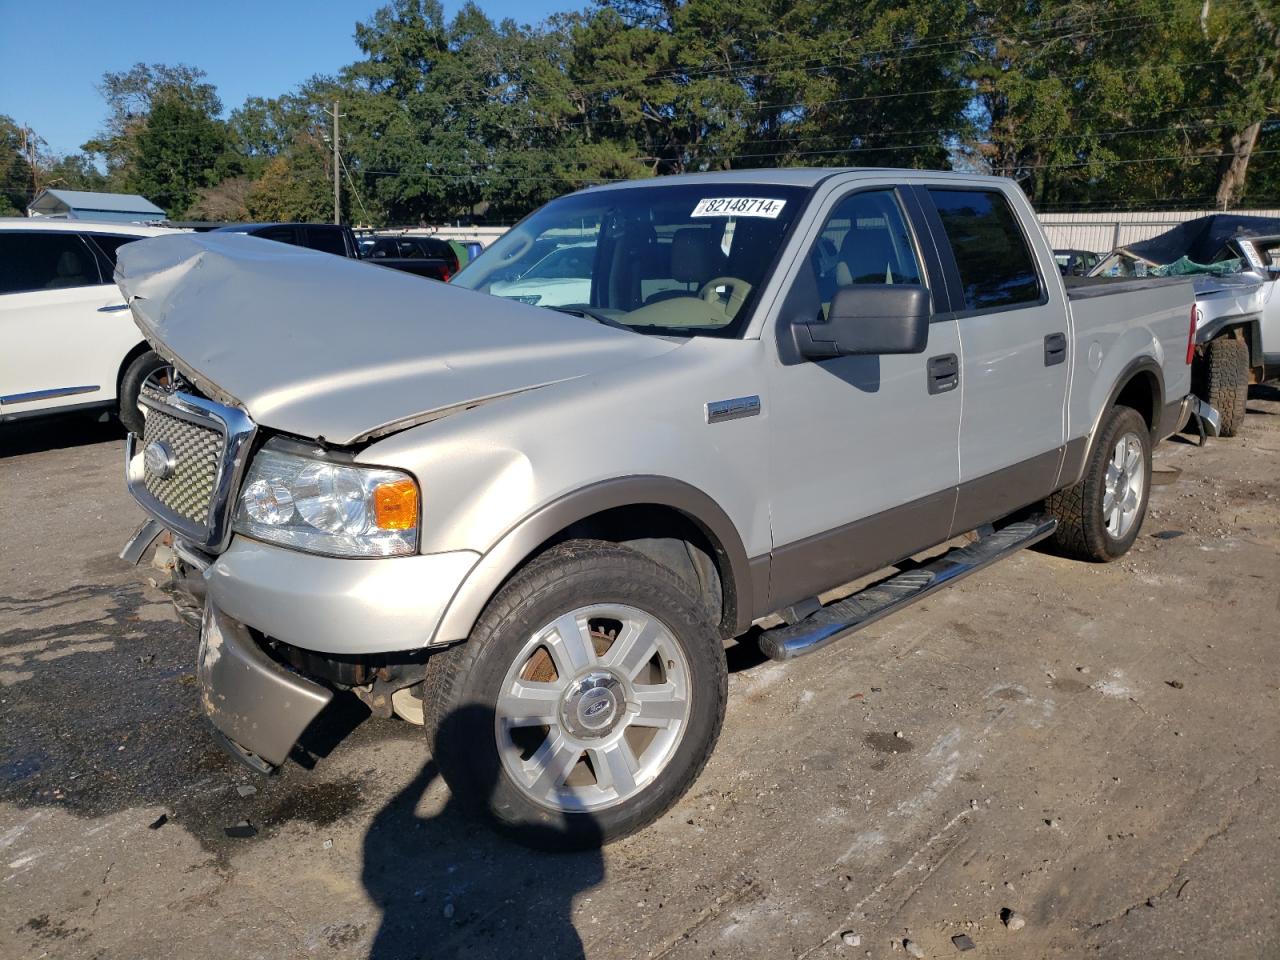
535,528
1238,321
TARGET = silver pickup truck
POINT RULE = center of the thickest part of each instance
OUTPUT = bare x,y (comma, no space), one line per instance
534,529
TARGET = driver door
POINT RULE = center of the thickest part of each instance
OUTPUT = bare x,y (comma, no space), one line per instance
864,448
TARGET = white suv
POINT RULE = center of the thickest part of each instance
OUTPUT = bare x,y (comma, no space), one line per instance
66,337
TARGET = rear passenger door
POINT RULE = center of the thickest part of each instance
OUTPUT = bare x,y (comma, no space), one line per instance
1014,353
61,321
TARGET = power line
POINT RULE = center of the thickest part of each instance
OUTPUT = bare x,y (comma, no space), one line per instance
496,174
840,151
824,63
354,191
842,48
757,106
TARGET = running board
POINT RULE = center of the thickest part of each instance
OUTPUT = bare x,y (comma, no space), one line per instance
839,619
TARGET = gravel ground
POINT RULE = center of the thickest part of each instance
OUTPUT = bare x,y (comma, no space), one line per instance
1092,747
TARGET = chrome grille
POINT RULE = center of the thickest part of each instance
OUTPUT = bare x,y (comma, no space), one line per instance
196,455
185,468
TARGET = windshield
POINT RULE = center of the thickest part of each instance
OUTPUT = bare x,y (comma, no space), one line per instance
685,259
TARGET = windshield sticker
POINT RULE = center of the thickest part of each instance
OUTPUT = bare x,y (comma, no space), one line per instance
739,207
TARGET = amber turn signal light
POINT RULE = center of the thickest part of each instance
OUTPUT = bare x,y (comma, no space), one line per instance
395,505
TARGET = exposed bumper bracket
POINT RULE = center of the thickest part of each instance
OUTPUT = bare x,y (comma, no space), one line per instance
143,537
1207,419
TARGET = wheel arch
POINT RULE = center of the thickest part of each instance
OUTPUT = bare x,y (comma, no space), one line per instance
610,510
133,354
1140,384
1248,330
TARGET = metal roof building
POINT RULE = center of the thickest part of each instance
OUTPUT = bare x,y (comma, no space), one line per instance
86,205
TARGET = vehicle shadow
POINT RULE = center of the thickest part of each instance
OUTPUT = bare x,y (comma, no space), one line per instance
56,432
450,886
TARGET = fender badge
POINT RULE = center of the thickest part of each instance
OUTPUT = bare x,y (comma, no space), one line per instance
720,410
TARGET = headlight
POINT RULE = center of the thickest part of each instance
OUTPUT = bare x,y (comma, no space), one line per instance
320,506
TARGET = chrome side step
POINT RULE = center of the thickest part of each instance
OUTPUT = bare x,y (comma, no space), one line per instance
837,620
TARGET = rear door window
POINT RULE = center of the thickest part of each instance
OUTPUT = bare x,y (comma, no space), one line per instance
45,261
278,234
997,269
327,240
106,245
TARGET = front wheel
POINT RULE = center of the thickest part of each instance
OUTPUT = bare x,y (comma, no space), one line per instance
586,701
1099,517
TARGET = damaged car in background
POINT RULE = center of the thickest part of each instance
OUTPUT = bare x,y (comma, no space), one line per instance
1234,261
535,528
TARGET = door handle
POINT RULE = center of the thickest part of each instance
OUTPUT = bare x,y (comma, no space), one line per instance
113,307
1055,349
943,373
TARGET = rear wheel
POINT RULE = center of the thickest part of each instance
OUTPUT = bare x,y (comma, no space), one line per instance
1099,517
586,701
1226,381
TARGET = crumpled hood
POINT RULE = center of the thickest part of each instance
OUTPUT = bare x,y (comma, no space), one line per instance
324,347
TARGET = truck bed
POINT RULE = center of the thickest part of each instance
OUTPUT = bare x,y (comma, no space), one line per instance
1116,320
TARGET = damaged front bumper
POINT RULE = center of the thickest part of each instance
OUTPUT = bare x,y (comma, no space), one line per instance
258,707
271,618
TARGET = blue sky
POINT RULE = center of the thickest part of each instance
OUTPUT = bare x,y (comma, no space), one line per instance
53,52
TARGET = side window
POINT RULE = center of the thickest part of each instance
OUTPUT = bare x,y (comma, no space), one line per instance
326,241
996,266
865,240
45,261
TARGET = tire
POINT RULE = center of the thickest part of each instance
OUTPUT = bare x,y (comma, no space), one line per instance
141,367
1083,532
477,744
1226,381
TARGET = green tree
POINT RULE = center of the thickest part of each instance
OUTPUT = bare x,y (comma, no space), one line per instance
131,95
74,171
296,185
263,128
180,150
17,184
1133,102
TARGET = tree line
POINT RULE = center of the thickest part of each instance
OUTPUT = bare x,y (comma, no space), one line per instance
1136,103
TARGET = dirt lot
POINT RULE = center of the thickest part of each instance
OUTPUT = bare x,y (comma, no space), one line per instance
1094,747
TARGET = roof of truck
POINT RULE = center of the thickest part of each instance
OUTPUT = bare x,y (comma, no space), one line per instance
785,176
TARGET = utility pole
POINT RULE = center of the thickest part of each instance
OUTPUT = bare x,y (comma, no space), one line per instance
29,154
337,160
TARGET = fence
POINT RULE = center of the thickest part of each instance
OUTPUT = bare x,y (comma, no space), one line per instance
1103,232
